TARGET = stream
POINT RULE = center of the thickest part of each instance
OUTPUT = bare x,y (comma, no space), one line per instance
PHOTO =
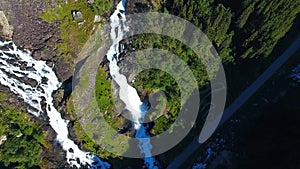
127,93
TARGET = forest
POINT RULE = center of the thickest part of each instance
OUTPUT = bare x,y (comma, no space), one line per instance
241,31
21,138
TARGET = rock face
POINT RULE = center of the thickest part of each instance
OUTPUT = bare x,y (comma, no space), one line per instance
29,29
7,30
12,99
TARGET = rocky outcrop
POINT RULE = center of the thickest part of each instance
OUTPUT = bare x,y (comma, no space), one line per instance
7,30
29,29
31,32
12,100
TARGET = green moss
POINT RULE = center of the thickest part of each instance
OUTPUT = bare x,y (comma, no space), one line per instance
101,6
3,97
73,36
105,99
88,135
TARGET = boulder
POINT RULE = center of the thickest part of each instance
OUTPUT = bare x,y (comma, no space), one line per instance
97,18
77,15
3,140
90,1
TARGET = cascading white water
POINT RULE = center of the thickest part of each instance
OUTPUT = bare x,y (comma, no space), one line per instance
12,72
127,93
295,75
15,65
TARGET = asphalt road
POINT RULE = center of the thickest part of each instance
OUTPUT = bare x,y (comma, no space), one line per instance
247,93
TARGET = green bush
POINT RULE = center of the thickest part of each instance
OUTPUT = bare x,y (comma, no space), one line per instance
24,143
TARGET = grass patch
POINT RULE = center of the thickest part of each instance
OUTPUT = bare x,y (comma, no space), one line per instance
73,35
105,99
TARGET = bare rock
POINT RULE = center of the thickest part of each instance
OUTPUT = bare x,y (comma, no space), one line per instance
3,140
77,15
7,29
97,18
91,1
63,70
58,96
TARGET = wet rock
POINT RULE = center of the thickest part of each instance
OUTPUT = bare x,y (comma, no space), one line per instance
44,80
58,96
30,82
44,104
106,68
104,61
49,63
37,55
4,48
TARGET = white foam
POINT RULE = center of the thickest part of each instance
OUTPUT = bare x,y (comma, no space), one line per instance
33,96
127,93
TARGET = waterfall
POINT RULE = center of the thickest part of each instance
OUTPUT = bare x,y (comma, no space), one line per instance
127,93
17,65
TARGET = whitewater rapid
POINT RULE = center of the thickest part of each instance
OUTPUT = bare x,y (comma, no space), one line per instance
127,93
17,65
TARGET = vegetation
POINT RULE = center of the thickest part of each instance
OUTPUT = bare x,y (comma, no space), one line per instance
24,139
158,80
105,99
101,6
149,81
104,102
242,29
239,30
75,32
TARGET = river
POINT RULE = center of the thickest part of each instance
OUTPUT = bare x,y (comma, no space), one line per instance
127,93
